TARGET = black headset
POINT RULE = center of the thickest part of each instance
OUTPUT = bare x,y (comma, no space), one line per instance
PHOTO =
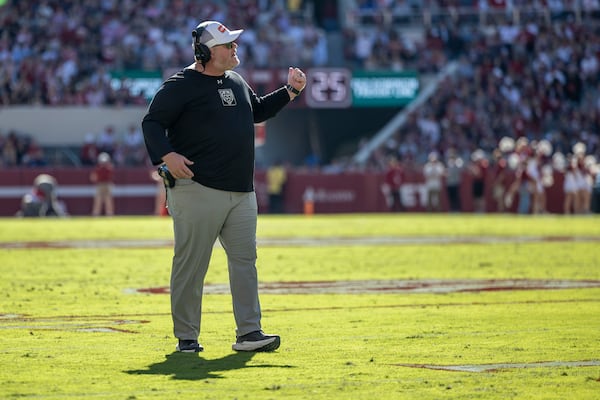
201,51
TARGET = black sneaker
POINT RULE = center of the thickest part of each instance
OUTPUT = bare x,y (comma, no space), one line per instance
256,341
189,346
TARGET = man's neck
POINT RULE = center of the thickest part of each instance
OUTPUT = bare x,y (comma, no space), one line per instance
207,69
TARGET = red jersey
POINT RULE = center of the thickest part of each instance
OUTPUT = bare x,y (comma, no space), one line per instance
104,173
393,177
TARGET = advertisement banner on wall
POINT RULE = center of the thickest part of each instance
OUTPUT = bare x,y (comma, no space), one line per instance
383,89
325,87
342,88
144,83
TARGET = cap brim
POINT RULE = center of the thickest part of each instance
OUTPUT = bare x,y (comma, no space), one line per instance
231,37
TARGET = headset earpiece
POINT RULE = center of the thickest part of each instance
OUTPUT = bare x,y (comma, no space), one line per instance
201,51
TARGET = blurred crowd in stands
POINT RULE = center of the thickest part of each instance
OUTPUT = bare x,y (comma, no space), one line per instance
537,83
20,150
62,52
538,80
527,70
125,148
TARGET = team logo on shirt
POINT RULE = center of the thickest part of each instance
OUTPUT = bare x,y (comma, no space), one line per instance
227,97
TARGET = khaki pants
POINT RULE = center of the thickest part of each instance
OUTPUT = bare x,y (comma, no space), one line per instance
103,197
202,215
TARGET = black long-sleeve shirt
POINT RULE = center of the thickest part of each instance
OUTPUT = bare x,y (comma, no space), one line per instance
210,120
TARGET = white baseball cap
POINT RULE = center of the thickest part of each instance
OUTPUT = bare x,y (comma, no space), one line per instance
103,157
215,33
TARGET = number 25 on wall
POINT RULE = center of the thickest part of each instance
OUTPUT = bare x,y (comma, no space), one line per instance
329,88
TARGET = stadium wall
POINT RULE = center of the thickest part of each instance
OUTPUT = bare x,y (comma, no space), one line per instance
67,126
135,191
294,133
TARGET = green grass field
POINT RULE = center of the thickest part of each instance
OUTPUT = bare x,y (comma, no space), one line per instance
368,306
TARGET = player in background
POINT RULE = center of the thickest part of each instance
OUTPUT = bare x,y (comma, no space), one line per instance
102,176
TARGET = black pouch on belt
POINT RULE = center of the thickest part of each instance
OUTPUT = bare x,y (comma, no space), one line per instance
165,174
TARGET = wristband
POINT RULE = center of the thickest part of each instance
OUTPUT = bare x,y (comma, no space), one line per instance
292,89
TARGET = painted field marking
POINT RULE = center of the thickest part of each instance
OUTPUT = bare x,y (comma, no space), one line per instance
397,286
68,323
501,366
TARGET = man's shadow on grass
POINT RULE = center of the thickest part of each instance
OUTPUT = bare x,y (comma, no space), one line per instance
191,366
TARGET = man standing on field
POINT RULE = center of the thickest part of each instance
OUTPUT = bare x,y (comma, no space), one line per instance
200,125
